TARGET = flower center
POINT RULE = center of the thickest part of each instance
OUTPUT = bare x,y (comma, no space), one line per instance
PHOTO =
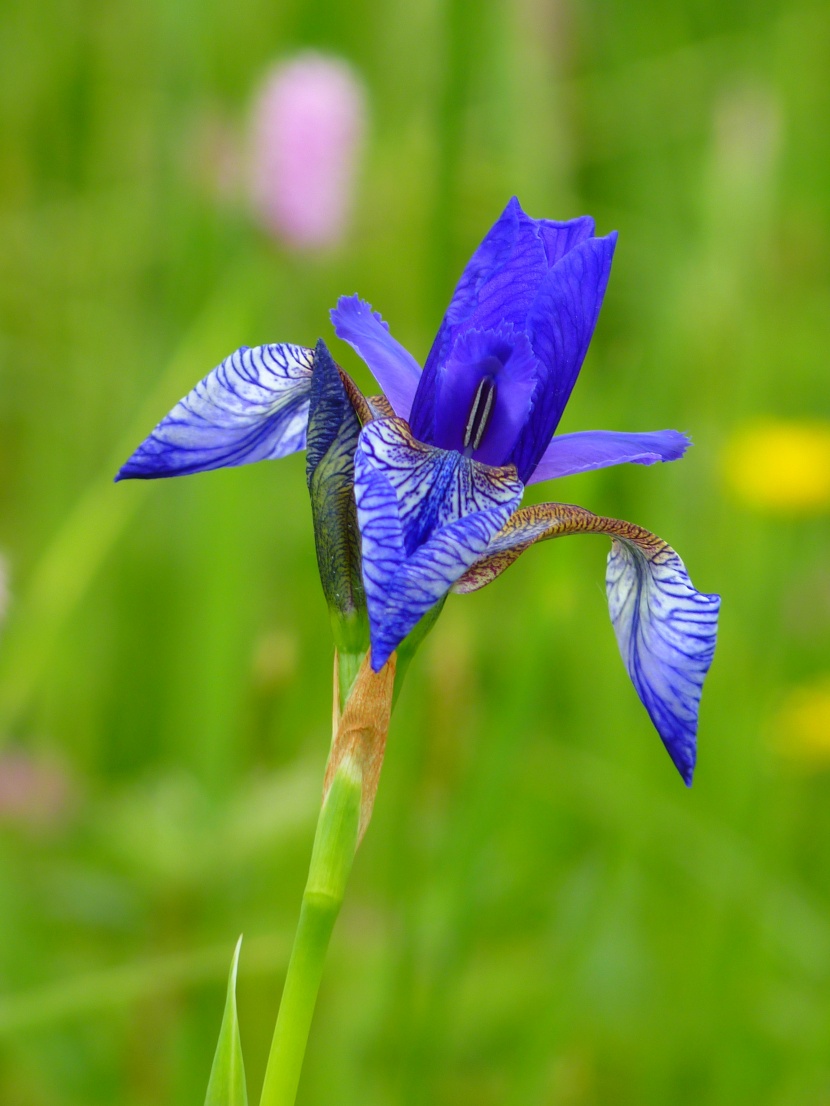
482,395
480,412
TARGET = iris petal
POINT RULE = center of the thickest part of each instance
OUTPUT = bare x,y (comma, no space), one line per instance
596,449
498,287
561,237
508,291
666,631
252,407
665,628
490,256
516,246
425,515
507,360
560,324
394,367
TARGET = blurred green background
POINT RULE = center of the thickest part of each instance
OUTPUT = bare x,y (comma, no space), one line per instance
541,913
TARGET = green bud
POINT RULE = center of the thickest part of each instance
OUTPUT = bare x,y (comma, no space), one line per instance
333,430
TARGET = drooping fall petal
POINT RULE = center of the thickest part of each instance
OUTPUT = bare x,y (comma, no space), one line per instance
665,628
252,407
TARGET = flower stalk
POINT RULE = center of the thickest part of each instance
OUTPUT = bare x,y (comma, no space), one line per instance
351,783
335,844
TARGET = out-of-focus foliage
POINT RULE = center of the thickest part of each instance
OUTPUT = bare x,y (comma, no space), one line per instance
540,913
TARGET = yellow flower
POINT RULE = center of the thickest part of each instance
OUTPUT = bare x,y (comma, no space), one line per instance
802,731
780,466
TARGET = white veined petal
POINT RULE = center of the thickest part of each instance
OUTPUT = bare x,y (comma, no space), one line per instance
666,631
665,628
252,407
425,515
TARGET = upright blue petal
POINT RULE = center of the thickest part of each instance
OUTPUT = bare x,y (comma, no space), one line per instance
561,237
517,248
666,630
252,407
597,449
508,291
538,277
489,258
425,515
394,367
512,257
560,324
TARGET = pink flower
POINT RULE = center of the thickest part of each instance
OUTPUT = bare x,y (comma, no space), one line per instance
34,793
308,127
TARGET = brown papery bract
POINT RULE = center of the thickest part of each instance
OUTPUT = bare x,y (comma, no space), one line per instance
361,732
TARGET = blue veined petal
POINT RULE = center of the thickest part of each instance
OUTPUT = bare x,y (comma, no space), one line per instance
665,628
252,407
489,257
516,249
560,325
561,237
508,290
596,449
394,367
425,515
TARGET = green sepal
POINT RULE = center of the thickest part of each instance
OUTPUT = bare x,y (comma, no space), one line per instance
333,430
227,1076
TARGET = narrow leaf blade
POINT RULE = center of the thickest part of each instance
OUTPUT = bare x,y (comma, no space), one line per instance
227,1076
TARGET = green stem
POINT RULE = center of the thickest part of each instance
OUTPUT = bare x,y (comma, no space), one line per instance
335,844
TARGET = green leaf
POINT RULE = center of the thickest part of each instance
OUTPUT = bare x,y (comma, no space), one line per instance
227,1076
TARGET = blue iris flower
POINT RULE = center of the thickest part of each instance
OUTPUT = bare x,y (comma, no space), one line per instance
439,470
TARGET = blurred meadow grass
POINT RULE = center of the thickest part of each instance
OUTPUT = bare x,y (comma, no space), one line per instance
540,913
